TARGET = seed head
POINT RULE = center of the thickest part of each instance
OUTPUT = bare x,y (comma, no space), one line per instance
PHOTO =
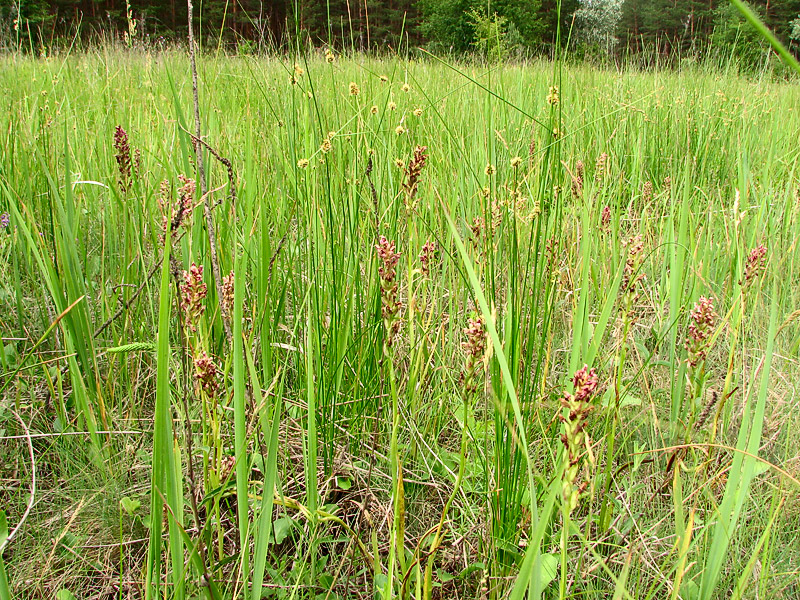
552,95
605,219
329,56
302,163
647,191
577,180
227,293
406,87
476,227
601,167
354,91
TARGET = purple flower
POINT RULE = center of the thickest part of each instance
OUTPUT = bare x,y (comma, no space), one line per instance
756,261
5,219
702,320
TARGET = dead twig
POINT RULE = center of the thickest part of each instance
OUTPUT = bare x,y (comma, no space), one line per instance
32,495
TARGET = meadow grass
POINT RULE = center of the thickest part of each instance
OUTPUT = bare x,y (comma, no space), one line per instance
485,331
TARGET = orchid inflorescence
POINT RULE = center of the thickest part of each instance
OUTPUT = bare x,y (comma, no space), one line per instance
413,172
206,374
632,275
702,319
193,292
756,262
123,157
390,305
426,255
574,438
475,348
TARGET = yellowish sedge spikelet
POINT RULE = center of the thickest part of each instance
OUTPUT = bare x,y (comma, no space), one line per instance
552,95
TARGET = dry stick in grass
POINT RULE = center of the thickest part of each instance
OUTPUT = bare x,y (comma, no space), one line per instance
130,301
32,496
150,274
201,175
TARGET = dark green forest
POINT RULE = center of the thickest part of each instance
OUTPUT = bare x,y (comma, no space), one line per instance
499,27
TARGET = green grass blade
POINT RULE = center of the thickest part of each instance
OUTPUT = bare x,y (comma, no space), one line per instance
764,31
240,423
742,470
162,434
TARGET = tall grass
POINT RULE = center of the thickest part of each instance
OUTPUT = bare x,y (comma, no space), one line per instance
329,453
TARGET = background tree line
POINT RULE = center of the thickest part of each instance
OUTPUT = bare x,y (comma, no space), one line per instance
608,28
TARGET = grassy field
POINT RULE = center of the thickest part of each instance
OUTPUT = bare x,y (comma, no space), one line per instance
521,331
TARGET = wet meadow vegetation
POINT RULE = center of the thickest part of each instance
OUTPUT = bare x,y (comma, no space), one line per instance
414,329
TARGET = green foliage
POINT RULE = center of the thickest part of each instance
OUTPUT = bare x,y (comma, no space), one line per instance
446,24
596,23
670,26
495,37
738,40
